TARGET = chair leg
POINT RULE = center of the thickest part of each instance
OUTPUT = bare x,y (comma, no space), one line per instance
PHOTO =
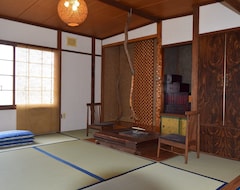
186,155
198,151
87,132
158,148
198,136
198,148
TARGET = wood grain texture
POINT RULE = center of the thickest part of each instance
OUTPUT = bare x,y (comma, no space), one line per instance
220,123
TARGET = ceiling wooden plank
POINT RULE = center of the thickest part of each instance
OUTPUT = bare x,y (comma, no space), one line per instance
35,12
15,8
106,18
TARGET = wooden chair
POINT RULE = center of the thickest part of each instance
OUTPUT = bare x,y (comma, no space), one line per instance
180,144
94,118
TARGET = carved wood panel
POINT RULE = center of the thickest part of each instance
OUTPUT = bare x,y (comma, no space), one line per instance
233,80
210,80
220,119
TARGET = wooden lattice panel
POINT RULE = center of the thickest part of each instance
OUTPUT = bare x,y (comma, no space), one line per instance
143,88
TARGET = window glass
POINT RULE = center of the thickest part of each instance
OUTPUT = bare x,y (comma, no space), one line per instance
6,83
33,79
6,75
6,67
6,52
6,98
34,76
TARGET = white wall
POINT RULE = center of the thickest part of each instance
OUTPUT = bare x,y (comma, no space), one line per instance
98,72
148,30
76,71
98,44
8,120
173,31
83,44
76,80
29,34
217,17
177,30
76,90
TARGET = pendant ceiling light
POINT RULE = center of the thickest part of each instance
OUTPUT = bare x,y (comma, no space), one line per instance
72,12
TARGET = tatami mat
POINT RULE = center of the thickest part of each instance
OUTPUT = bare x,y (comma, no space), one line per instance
52,138
102,161
209,165
62,162
80,134
29,169
158,177
43,140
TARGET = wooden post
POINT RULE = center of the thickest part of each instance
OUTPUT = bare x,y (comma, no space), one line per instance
159,78
93,79
195,43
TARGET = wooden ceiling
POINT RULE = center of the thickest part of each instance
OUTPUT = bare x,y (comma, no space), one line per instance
105,18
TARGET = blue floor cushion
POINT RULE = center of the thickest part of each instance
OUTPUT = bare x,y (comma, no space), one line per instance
15,138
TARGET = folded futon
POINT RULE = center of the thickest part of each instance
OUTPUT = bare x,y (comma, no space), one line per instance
15,138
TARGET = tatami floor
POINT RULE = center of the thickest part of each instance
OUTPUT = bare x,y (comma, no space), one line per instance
65,161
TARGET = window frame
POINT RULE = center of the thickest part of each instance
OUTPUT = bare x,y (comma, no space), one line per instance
15,45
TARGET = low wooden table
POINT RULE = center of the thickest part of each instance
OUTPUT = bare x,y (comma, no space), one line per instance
129,140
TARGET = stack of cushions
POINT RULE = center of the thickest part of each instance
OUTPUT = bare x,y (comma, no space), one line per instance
15,138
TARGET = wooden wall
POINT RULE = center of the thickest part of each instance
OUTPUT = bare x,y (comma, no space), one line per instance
116,84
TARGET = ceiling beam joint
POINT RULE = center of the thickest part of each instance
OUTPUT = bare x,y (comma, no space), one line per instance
232,4
128,9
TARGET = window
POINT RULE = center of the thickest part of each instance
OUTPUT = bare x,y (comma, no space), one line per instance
27,79
6,75
34,76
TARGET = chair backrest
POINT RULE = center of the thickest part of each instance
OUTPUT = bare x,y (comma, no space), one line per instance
193,126
94,113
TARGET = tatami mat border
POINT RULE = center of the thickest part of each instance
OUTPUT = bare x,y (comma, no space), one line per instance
72,136
85,171
69,164
118,175
219,188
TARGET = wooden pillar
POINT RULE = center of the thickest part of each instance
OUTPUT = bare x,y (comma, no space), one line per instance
195,45
93,79
59,48
159,78
93,72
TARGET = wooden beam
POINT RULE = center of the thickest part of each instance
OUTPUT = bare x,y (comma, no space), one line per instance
232,4
195,46
134,11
